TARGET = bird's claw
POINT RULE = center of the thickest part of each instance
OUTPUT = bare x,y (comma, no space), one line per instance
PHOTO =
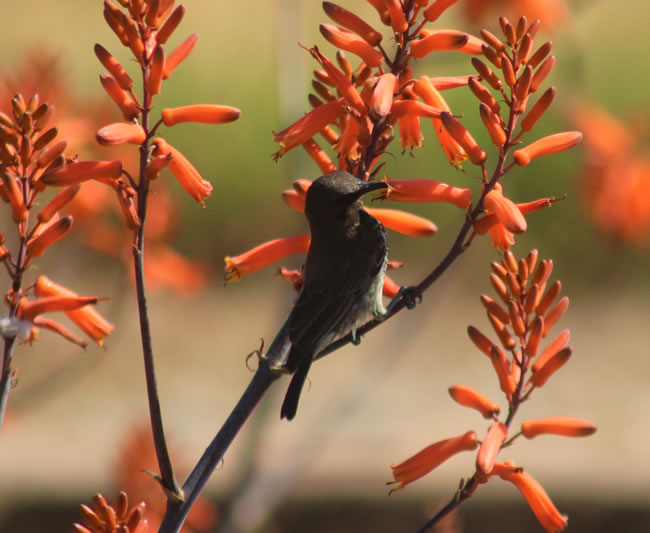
411,296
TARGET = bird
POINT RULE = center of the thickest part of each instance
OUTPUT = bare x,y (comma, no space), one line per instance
343,275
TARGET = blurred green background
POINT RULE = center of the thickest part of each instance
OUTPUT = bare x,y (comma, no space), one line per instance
369,406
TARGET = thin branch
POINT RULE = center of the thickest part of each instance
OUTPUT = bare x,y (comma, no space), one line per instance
5,376
168,481
461,495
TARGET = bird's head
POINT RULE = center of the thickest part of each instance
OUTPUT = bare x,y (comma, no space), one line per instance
330,196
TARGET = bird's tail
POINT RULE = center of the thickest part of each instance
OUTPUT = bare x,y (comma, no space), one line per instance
291,398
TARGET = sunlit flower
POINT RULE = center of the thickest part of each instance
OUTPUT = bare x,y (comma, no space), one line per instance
86,318
79,171
179,54
438,41
120,133
469,397
264,255
463,137
426,191
308,126
551,144
558,425
189,178
431,457
53,232
352,22
537,499
350,41
403,222
496,436
505,210
205,113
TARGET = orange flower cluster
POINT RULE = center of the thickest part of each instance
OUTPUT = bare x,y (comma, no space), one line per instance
105,518
616,181
356,108
31,161
144,29
524,314
511,71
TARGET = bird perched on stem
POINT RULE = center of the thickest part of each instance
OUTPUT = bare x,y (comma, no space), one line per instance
343,276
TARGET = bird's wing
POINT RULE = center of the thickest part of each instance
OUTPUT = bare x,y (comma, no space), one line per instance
321,307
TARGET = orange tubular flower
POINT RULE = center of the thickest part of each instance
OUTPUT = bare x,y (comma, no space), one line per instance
540,107
80,171
502,368
505,210
390,288
480,341
431,457
204,113
153,82
340,81
443,83
19,212
264,255
425,88
469,397
120,133
114,67
555,314
153,168
490,221
309,125
120,97
554,363
463,137
50,153
403,222
410,133
487,454
184,171
319,156
427,191
537,499
491,123
36,247
382,95
292,276
179,54
50,304
558,425
350,41
352,22
439,41
86,318
554,346
551,144
437,8
57,203
396,13
170,24
55,327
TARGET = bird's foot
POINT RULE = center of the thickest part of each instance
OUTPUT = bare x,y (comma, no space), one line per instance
411,296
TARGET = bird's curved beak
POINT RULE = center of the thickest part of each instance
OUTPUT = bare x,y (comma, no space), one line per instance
367,187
